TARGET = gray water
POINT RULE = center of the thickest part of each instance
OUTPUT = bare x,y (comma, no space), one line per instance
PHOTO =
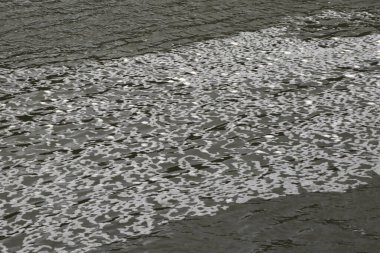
202,126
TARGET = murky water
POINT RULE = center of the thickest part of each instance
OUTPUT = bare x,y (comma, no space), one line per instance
133,133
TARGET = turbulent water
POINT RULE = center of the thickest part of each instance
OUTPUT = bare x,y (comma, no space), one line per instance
97,152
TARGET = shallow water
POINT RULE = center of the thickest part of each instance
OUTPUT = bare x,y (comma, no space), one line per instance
36,32
310,222
97,154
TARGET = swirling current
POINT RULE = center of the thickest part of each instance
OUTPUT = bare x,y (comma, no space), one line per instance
97,152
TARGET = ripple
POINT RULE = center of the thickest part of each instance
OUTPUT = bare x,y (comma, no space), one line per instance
104,151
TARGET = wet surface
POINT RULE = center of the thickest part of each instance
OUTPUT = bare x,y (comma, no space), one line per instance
101,155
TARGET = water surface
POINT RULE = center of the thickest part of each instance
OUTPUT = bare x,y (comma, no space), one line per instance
115,142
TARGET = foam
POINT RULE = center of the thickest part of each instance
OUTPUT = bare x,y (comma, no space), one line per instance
103,151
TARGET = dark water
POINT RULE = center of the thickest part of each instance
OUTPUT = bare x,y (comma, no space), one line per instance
189,126
311,222
38,32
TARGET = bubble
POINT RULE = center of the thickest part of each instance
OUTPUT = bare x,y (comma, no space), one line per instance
308,102
136,137
349,75
229,201
260,152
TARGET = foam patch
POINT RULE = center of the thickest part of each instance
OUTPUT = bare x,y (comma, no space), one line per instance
102,151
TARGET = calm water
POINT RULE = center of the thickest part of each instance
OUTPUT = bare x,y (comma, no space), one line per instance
189,126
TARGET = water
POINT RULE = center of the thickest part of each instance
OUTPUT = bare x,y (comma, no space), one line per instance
238,126
36,32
